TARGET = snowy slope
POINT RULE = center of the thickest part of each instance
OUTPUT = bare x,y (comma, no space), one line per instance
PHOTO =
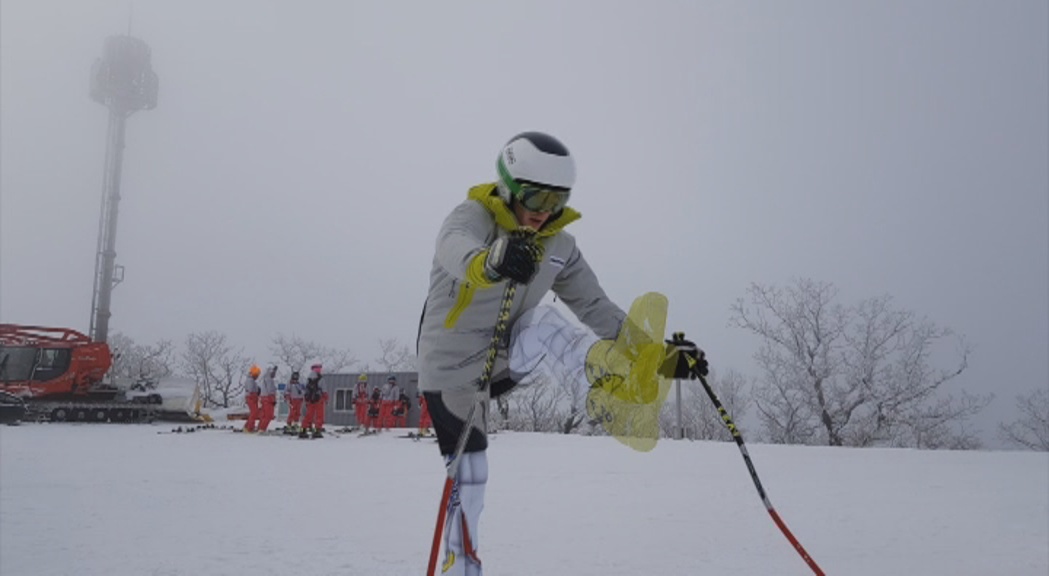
115,500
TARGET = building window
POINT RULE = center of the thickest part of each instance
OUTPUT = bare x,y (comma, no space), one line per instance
344,400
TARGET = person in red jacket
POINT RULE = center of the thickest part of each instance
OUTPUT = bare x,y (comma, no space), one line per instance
360,402
424,416
251,397
267,398
293,396
315,398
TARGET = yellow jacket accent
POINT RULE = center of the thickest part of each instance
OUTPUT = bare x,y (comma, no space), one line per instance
475,273
475,278
488,196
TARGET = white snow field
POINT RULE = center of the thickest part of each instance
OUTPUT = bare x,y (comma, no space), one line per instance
123,500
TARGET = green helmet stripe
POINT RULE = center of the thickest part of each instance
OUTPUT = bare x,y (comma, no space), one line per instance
504,175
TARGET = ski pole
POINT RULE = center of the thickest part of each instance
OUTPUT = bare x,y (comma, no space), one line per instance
452,467
750,465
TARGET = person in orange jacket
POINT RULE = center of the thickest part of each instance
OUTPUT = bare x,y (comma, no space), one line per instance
251,397
424,416
360,402
315,398
293,396
267,398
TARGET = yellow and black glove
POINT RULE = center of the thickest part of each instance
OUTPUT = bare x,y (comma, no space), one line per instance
514,257
678,352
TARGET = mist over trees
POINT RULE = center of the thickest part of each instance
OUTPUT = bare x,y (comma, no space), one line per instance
296,353
395,356
853,375
219,367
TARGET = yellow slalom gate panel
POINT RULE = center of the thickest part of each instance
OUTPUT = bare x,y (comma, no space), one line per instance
627,391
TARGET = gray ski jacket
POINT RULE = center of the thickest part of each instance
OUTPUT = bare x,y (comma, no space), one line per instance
390,393
295,390
459,316
269,385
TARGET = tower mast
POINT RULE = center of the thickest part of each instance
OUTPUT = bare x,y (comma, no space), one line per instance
123,81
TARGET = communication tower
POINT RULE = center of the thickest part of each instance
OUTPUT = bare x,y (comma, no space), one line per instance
123,81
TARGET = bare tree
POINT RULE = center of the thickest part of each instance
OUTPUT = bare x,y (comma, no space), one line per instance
572,412
230,383
296,352
216,366
395,356
1031,428
698,414
534,407
852,376
502,406
133,362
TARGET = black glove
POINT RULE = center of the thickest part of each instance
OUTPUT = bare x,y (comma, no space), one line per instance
513,257
676,365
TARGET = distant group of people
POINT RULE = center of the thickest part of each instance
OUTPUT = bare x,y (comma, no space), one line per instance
386,407
381,409
261,399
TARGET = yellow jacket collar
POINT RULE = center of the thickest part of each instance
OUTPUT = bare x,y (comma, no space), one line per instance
488,196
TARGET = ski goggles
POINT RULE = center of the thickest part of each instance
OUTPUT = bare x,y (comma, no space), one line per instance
539,199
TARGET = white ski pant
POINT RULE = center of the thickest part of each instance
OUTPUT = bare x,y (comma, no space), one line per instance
545,345
461,534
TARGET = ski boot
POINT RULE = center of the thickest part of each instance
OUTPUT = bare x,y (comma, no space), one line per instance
318,433
304,433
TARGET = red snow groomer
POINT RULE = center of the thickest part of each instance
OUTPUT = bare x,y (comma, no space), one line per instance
58,374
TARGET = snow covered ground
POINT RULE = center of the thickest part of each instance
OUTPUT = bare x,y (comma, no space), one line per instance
122,500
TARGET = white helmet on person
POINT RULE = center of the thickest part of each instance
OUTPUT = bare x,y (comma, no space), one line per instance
536,170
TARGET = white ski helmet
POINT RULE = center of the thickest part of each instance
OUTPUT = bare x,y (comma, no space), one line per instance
533,160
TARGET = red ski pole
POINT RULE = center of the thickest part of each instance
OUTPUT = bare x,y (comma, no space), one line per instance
750,464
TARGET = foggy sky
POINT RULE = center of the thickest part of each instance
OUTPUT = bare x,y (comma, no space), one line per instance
302,156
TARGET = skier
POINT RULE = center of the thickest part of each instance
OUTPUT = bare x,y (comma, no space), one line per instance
424,416
360,401
390,394
267,398
251,397
401,409
293,396
513,230
374,411
315,398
